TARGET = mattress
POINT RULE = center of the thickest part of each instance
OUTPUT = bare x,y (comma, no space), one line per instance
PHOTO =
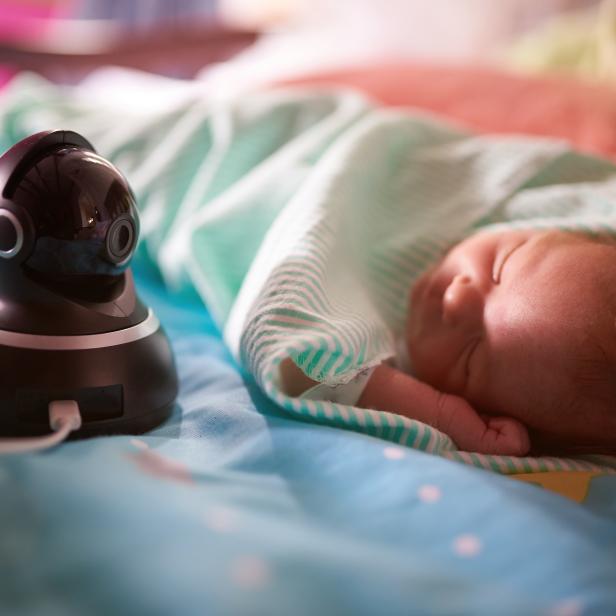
233,507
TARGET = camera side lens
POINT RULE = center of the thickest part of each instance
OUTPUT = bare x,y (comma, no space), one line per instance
123,238
120,239
11,234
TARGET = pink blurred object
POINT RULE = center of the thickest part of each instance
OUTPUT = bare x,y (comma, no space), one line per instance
5,76
491,101
28,20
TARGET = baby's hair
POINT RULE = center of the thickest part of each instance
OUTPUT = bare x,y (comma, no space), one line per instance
591,403
603,236
593,380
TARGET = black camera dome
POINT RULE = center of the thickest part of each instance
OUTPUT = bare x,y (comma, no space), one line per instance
84,215
72,326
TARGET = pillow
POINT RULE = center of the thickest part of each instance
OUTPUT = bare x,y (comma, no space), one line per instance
488,100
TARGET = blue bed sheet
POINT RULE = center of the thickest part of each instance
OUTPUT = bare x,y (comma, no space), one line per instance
231,507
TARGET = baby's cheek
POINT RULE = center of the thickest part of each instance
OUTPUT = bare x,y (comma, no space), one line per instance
431,364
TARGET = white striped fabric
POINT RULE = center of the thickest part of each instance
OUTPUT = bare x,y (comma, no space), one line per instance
303,218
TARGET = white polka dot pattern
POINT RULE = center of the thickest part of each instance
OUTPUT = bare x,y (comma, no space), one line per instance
567,607
429,494
250,572
467,546
394,453
221,519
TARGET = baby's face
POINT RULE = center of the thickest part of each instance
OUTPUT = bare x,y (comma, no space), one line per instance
507,319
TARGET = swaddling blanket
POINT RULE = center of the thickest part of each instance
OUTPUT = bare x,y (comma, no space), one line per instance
303,218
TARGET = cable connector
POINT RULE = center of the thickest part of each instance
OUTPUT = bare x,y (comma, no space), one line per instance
62,412
64,418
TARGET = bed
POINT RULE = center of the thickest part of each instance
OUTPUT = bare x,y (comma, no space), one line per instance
232,506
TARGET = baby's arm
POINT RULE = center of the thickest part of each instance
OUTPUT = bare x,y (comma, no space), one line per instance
397,392
394,391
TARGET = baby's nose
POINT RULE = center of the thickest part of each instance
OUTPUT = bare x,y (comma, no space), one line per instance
462,302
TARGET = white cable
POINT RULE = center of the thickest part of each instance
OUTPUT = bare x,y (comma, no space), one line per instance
64,418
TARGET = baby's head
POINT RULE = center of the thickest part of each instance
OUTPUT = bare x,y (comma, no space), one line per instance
522,324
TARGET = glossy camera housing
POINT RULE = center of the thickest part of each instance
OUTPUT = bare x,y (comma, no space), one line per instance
71,323
84,215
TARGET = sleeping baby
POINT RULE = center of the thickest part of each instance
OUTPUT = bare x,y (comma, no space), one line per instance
511,338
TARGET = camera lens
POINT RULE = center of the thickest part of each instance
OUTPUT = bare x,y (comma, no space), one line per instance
123,238
10,231
120,239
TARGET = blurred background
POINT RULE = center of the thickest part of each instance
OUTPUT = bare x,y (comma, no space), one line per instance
240,42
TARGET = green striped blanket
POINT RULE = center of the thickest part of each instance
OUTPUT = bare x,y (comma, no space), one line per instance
302,219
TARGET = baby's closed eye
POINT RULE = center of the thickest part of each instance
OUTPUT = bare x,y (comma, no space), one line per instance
501,259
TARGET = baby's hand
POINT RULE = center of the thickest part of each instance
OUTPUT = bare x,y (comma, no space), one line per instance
480,433
396,392
504,436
